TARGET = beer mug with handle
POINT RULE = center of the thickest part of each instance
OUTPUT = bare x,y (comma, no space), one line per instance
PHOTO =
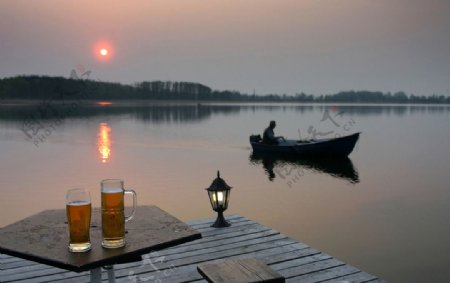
78,209
113,214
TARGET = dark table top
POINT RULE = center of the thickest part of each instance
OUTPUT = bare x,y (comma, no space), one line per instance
43,238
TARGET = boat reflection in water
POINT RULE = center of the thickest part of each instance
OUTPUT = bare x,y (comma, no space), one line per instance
280,166
104,142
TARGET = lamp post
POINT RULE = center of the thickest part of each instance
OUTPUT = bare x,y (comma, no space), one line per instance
219,195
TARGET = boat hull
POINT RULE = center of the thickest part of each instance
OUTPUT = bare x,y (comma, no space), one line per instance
341,146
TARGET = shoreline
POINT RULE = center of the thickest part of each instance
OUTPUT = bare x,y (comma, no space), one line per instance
143,102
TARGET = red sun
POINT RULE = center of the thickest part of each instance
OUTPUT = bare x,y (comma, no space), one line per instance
103,50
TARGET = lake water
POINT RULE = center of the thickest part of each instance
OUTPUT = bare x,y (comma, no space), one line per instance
385,210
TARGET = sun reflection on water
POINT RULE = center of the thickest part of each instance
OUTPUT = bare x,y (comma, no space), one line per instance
104,142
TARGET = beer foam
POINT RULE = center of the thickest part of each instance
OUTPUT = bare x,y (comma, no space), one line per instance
78,202
111,190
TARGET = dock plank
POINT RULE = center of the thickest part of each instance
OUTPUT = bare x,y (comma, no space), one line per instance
326,274
245,270
244,239
358,277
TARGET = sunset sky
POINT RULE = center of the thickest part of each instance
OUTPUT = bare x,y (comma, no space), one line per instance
267,46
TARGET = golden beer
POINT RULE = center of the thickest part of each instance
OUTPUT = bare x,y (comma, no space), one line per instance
113,215
113,218
79,220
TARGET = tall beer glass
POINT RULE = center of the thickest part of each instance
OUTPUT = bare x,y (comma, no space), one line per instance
113,215
78,208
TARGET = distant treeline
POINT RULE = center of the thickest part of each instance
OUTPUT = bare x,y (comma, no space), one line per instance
44,87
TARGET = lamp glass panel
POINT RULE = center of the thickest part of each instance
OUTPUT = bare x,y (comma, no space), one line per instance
220,198
227,199
213,199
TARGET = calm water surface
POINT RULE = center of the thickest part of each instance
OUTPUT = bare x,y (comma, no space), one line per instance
385,210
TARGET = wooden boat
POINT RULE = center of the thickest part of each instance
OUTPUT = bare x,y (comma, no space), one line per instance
341,146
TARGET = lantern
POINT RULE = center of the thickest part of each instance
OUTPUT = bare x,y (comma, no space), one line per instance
219,195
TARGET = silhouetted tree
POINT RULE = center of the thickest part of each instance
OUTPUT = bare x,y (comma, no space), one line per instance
59,88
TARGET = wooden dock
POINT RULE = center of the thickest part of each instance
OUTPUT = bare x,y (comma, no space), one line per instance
297,262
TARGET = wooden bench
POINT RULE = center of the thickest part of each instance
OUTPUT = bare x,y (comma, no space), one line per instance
239,271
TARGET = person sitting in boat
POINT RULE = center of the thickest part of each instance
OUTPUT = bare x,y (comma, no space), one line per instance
269,136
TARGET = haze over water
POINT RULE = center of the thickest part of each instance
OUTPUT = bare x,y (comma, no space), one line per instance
385,210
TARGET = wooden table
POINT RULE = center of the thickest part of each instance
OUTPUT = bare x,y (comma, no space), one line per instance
43,238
